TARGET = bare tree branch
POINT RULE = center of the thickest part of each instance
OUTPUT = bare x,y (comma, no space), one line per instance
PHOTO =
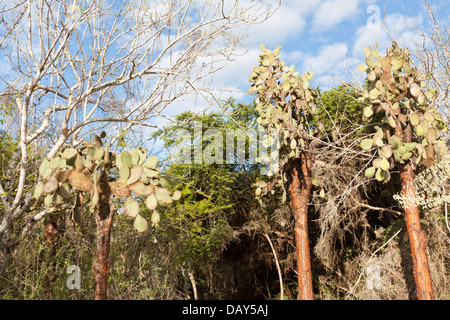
78,65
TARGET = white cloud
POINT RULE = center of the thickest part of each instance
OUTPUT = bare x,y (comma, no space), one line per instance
399,26
398,23
367,36
330,57
277,28
294,56
402,26
332,12
287,22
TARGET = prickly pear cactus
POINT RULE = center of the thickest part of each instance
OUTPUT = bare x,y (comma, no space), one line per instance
285,102
77,169
399,91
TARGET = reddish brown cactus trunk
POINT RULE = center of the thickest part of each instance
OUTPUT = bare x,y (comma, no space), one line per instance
300,190
416,236
104,219
412,217
51,235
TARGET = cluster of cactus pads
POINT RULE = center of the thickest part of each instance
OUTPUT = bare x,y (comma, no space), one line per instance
136,174
285,102
399,90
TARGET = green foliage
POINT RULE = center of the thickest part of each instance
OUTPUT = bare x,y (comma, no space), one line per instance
338,111
10,157
41,271
7,147
201,219
6,108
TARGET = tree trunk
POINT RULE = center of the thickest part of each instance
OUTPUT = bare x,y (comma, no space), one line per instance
412,217
300,190
51,236
104,218
416,236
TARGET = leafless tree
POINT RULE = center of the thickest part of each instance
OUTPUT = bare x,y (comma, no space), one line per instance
71,67
434,54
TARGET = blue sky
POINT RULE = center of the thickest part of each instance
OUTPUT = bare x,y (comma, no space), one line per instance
327,37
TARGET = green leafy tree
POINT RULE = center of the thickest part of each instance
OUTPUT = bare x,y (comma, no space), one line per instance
339,112
214,194
208,187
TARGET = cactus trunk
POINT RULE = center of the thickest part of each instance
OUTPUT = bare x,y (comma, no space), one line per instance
300,190
416,236
412,218
51,236
104,215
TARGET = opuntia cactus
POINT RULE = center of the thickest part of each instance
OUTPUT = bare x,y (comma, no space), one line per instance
410,136
285,102
399,90
75,167
87,169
